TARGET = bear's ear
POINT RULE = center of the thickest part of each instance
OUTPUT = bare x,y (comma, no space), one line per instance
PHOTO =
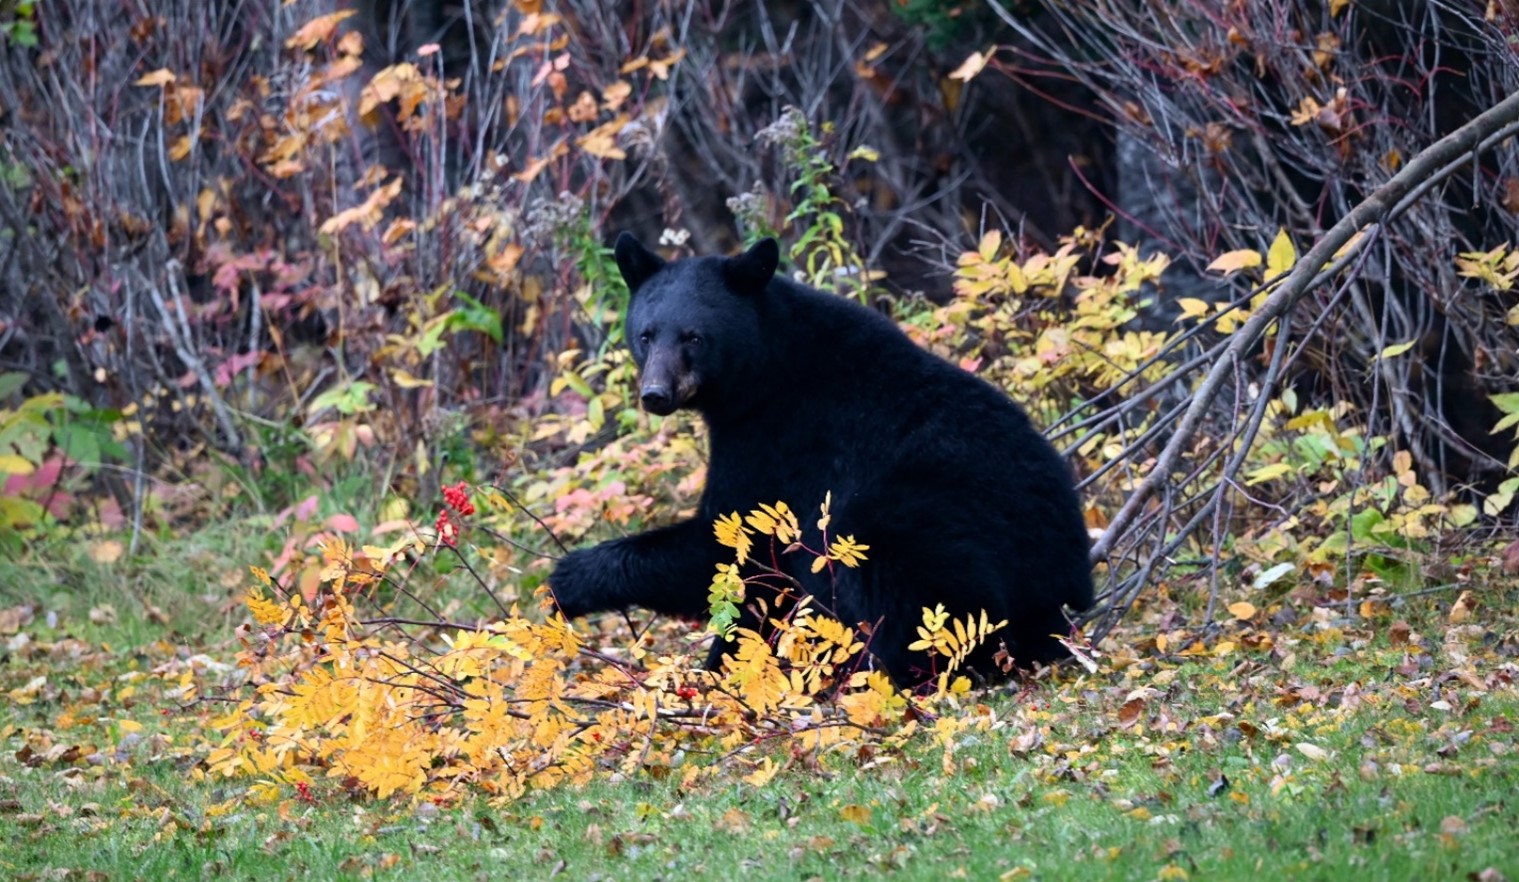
636,262
750,272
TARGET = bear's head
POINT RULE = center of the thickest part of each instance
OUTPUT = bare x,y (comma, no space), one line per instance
693,325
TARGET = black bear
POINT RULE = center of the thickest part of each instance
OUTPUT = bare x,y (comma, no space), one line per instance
960,499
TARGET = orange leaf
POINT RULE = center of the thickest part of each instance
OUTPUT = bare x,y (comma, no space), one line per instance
1235,261
1243,610
317,30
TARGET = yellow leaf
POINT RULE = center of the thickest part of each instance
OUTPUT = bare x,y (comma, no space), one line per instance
776,520
1243,610
12,464
406,381
1396,349
763,773
856,814
265,612
731,533
1312,751
990,244
1234,261
161,77
847,552
1224,648
971,66
1191,307
1461,610
1267,473
1281,256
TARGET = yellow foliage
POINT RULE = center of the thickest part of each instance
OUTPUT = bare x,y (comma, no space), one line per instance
515,705
265,612
847,552
731,533
777,520
954,639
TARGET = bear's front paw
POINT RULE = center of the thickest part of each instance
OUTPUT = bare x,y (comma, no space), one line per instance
576,582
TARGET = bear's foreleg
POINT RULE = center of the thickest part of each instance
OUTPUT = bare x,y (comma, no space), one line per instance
667,570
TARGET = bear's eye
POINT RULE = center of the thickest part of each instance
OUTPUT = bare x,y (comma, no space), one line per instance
645,337
691,338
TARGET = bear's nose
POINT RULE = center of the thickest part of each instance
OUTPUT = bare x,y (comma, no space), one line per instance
657,400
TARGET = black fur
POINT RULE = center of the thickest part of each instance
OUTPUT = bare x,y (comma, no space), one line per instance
959,497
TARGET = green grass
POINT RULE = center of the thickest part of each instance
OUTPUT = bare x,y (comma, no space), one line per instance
1347,757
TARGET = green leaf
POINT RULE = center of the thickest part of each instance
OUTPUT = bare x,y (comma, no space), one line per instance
1396,349
10,382
16,512
348,399
78,443
432,335
476,316
1364,523
578,383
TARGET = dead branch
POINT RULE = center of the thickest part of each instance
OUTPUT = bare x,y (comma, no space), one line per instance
1420,175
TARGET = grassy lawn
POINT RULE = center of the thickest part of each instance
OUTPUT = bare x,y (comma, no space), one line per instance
1310,744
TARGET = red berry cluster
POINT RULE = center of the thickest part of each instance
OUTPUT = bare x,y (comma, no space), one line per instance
457,498
448,534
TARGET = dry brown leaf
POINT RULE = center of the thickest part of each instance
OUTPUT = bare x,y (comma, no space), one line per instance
1129,714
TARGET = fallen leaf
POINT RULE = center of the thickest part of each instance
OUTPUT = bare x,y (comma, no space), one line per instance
1462,609
733,821
107,551
1244,610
